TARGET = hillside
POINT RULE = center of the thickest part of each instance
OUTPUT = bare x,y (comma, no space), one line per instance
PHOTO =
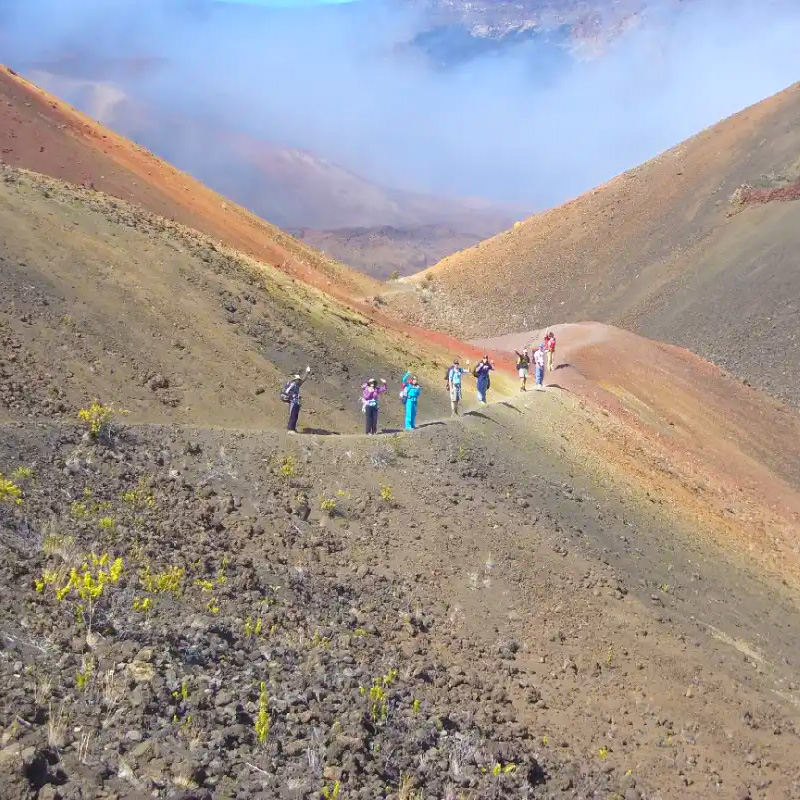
696,247
41,133
388,251
590,591
289,187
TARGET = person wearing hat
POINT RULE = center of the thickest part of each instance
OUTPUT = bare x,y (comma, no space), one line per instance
523,363
291,394
550,348
482,370
411,389
539,360
370,392
454,373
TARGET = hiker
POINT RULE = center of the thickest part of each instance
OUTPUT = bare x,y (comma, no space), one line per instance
550,348
539,359
481,373
411,391
369,403
291,394
454,373
523,365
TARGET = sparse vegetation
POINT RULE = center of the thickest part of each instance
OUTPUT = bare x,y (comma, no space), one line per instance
262,723
99,420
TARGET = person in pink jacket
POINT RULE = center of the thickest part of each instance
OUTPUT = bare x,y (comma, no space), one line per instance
370,392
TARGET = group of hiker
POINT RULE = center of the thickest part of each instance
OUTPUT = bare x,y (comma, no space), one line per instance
543,358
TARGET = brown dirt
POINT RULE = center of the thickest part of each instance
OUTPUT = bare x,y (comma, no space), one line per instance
657,250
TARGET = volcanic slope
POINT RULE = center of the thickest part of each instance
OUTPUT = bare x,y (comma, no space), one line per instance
579,593
43,134
697,247
102,299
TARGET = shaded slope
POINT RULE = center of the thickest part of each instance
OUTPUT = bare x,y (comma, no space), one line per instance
40,133
667,249
381,252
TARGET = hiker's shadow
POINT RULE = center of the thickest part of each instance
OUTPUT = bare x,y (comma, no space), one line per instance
506,404
554,386
480,415
321,432
430,424
561,366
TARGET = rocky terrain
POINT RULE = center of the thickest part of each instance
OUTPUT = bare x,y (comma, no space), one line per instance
685,248
585,592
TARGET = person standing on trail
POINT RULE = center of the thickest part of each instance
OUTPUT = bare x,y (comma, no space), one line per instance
291,394
523,365
539,359
481,373
370,392
411,390
550,348
454,373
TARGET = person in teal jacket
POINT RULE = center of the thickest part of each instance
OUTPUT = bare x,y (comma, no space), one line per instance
412,391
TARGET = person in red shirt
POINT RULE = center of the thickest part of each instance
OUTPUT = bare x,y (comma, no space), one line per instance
550,349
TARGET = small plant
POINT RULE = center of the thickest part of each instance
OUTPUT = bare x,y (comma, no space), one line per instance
10,492
182,694
262,722
394,275
503,769
378,698
331,792
328,505
106,523
415,706
82,677
205,585
168,582
22,473
386,494
143,604
288,467
252,627
140,497
603,753
99,419
88,584
212,606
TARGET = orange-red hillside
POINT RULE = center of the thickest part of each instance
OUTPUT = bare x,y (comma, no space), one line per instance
40,133
673,249
721,453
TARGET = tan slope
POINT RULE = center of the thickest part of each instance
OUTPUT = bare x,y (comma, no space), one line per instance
41,133
662,249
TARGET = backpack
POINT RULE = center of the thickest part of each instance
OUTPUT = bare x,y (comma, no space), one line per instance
404,394
475,370
286,393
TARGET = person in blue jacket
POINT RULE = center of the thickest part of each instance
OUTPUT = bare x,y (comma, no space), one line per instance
411,389
482,370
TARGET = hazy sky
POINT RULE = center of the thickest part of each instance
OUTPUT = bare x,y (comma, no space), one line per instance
337,80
